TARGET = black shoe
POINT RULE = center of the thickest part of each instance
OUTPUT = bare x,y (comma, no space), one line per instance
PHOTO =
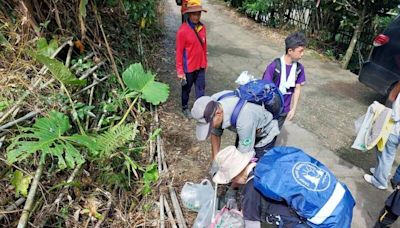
393,184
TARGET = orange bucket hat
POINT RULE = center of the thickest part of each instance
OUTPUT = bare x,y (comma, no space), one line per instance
194,6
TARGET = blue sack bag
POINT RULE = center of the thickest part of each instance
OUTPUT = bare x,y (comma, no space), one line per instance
261,92
289,174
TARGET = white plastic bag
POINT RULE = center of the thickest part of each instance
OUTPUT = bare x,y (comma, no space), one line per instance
244,78
194,196
203,219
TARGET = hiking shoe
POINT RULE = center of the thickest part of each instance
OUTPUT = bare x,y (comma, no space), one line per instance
368,178
187,113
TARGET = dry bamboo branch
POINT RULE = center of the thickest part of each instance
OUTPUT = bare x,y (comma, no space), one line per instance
151,144
2,140
12,123
90,103
162,215
13,206
177,208
160,165
169,213
92,85
91,70
90,55
164,163
31,196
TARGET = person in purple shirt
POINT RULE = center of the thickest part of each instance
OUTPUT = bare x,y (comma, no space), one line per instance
288,74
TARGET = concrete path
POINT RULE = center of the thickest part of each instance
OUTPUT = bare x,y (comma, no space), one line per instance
330,102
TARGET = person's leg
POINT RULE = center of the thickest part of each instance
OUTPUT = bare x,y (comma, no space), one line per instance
281,120
186,90
396,177
200,83
260,151
385,162
385,219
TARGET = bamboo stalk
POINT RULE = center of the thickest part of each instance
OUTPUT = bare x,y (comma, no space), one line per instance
90,55
91,70
31,196
13,206
160,165
177,208
12,123
169,213
90,103
164,163
91,85
162,215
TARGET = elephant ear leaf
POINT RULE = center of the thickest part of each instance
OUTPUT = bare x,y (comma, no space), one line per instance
137,79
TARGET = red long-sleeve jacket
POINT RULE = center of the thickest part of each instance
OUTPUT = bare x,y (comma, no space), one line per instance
190,54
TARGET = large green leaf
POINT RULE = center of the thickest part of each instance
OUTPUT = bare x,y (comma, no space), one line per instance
47,137
20,183
138,80
46,49
58,70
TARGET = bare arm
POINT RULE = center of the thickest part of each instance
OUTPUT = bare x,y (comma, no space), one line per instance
215,145
295,100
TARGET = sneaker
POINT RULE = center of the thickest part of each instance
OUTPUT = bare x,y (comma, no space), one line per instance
368,178
187,113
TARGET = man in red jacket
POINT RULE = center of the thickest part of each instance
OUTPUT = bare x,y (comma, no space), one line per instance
191,54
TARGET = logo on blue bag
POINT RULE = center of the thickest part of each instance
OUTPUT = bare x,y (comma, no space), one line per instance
311,176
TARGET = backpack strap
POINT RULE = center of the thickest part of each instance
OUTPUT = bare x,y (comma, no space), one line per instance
230,94
277,70
236,110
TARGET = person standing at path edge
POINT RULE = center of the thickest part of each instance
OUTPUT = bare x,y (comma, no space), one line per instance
191,54
288,74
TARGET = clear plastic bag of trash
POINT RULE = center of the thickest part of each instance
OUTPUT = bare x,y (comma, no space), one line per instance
244,78
194,196
205,215
228,218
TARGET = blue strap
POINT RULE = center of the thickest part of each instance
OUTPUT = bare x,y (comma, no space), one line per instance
236,111
230,94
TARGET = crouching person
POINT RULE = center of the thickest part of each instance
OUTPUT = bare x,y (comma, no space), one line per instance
391,211
285,188
255,127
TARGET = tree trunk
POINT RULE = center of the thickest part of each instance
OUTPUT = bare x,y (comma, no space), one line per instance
356,35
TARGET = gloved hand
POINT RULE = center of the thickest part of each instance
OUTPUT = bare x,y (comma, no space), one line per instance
230,197
231,204
213,170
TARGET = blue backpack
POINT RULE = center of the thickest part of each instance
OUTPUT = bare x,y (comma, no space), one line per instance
306,185
259,92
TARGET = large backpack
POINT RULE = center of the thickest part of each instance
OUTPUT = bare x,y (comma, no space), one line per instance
306,185
259,92
277,70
